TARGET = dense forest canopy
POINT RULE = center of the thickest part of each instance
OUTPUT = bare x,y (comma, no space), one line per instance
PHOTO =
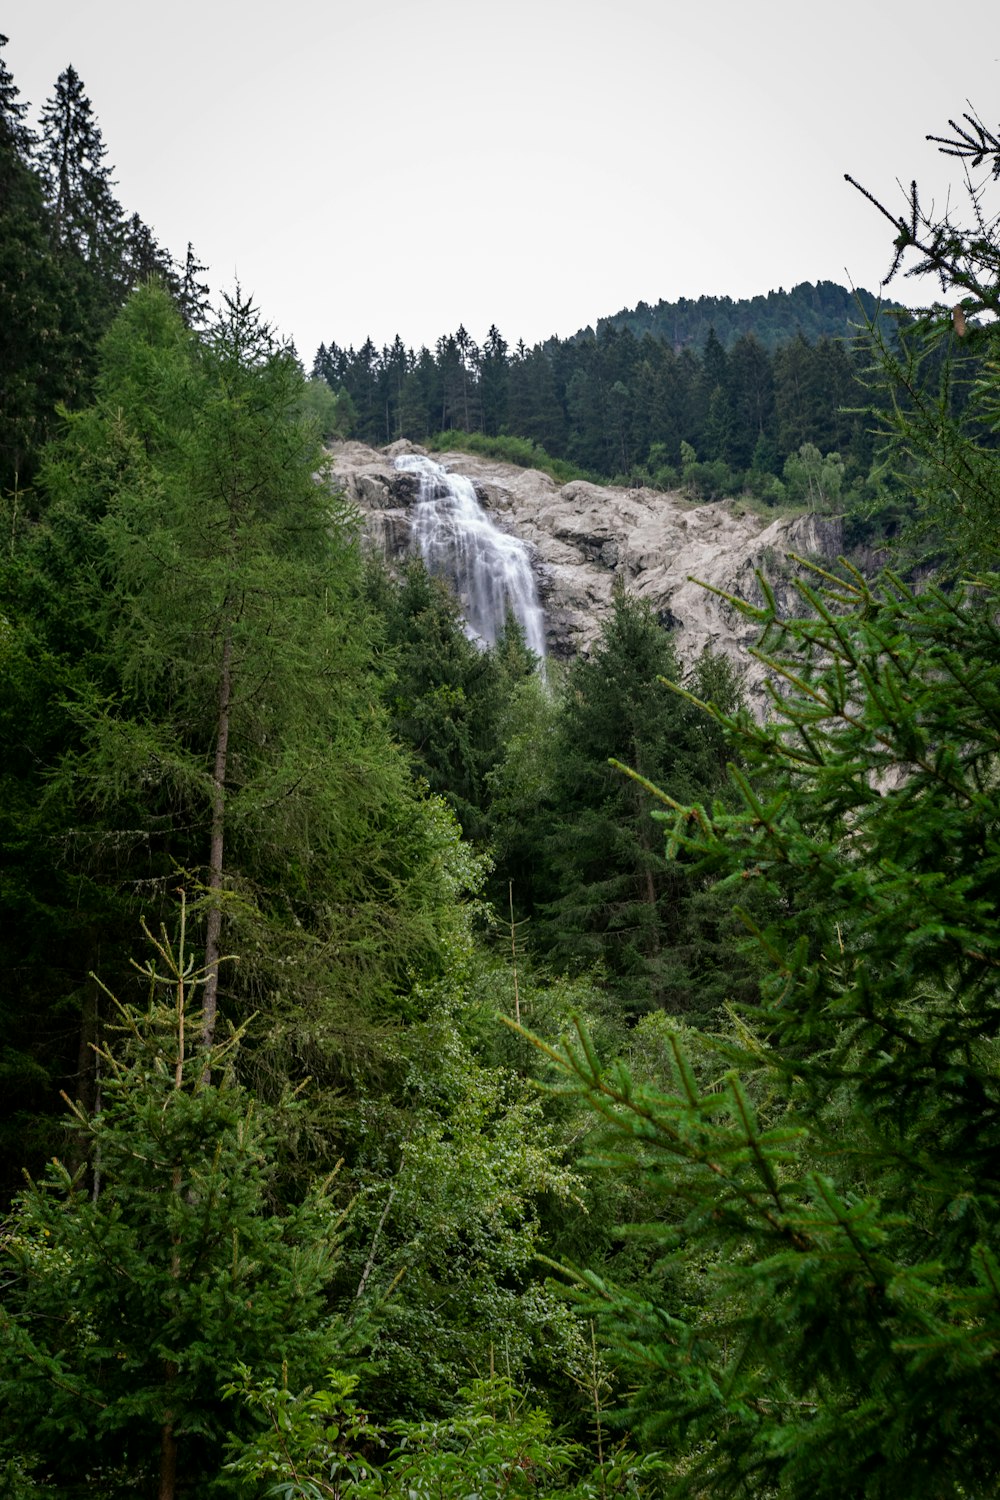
290,1210
624,404
823,310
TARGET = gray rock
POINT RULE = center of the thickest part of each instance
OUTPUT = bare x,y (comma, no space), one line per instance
584,536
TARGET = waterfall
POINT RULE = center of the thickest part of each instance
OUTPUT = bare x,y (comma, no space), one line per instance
489,570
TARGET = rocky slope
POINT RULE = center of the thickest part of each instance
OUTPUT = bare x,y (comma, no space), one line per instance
584,536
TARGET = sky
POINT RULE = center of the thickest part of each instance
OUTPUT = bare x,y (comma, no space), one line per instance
374,167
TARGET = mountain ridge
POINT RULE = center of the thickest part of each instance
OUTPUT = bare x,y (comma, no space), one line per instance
822,309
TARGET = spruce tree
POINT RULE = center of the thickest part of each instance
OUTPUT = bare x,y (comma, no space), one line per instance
827,1317
86,216
590,858
33,370
446,695
827,1314
134,1289
197,592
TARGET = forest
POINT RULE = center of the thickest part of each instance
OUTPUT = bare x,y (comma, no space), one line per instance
630,404
426,1076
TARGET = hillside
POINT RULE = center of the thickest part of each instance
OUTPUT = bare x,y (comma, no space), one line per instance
823,310
626,404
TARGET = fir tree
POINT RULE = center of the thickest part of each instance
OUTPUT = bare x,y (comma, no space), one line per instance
197,595
828,1316
134,1288
85,214
588,856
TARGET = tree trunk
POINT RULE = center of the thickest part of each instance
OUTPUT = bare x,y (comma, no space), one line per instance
214,927
168,1451
647,880
87,1090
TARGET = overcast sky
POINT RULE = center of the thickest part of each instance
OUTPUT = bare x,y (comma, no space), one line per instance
382,166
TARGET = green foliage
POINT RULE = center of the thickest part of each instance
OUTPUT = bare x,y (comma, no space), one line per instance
446,696
823,309
332,412
577,838
69,255
522,786
939,427
523,452
453,1167
705,481
813,478
313,1444
623,403
827,1309
321,1445
137,1282
195,595
33,362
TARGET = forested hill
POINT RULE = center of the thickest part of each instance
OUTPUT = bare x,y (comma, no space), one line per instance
715,393
616,405
823,310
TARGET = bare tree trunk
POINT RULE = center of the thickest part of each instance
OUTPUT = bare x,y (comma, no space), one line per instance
648,881
168,1447
87,1087
214,927
86,1076
168,1437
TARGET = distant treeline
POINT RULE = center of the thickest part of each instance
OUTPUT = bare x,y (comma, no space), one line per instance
823,310
629,405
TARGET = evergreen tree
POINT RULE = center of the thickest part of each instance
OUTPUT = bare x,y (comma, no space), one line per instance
535,410
143,259
827,1316
67,260
192,294
419,397
31,289
202,594
446,694
16,138
86,216
493,382
752,393
469,356
607,894
827,1310
134,1290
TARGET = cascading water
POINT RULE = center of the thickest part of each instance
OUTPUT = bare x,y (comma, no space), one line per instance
489,569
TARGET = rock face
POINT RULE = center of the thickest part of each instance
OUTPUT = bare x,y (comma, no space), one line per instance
584,536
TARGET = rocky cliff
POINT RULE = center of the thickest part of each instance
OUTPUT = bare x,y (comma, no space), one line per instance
585,535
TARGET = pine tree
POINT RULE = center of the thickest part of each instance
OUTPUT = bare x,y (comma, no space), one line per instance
828,1313
602,891
201,592
86,216
136,1288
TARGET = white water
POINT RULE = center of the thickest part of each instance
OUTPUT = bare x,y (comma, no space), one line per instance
489,570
